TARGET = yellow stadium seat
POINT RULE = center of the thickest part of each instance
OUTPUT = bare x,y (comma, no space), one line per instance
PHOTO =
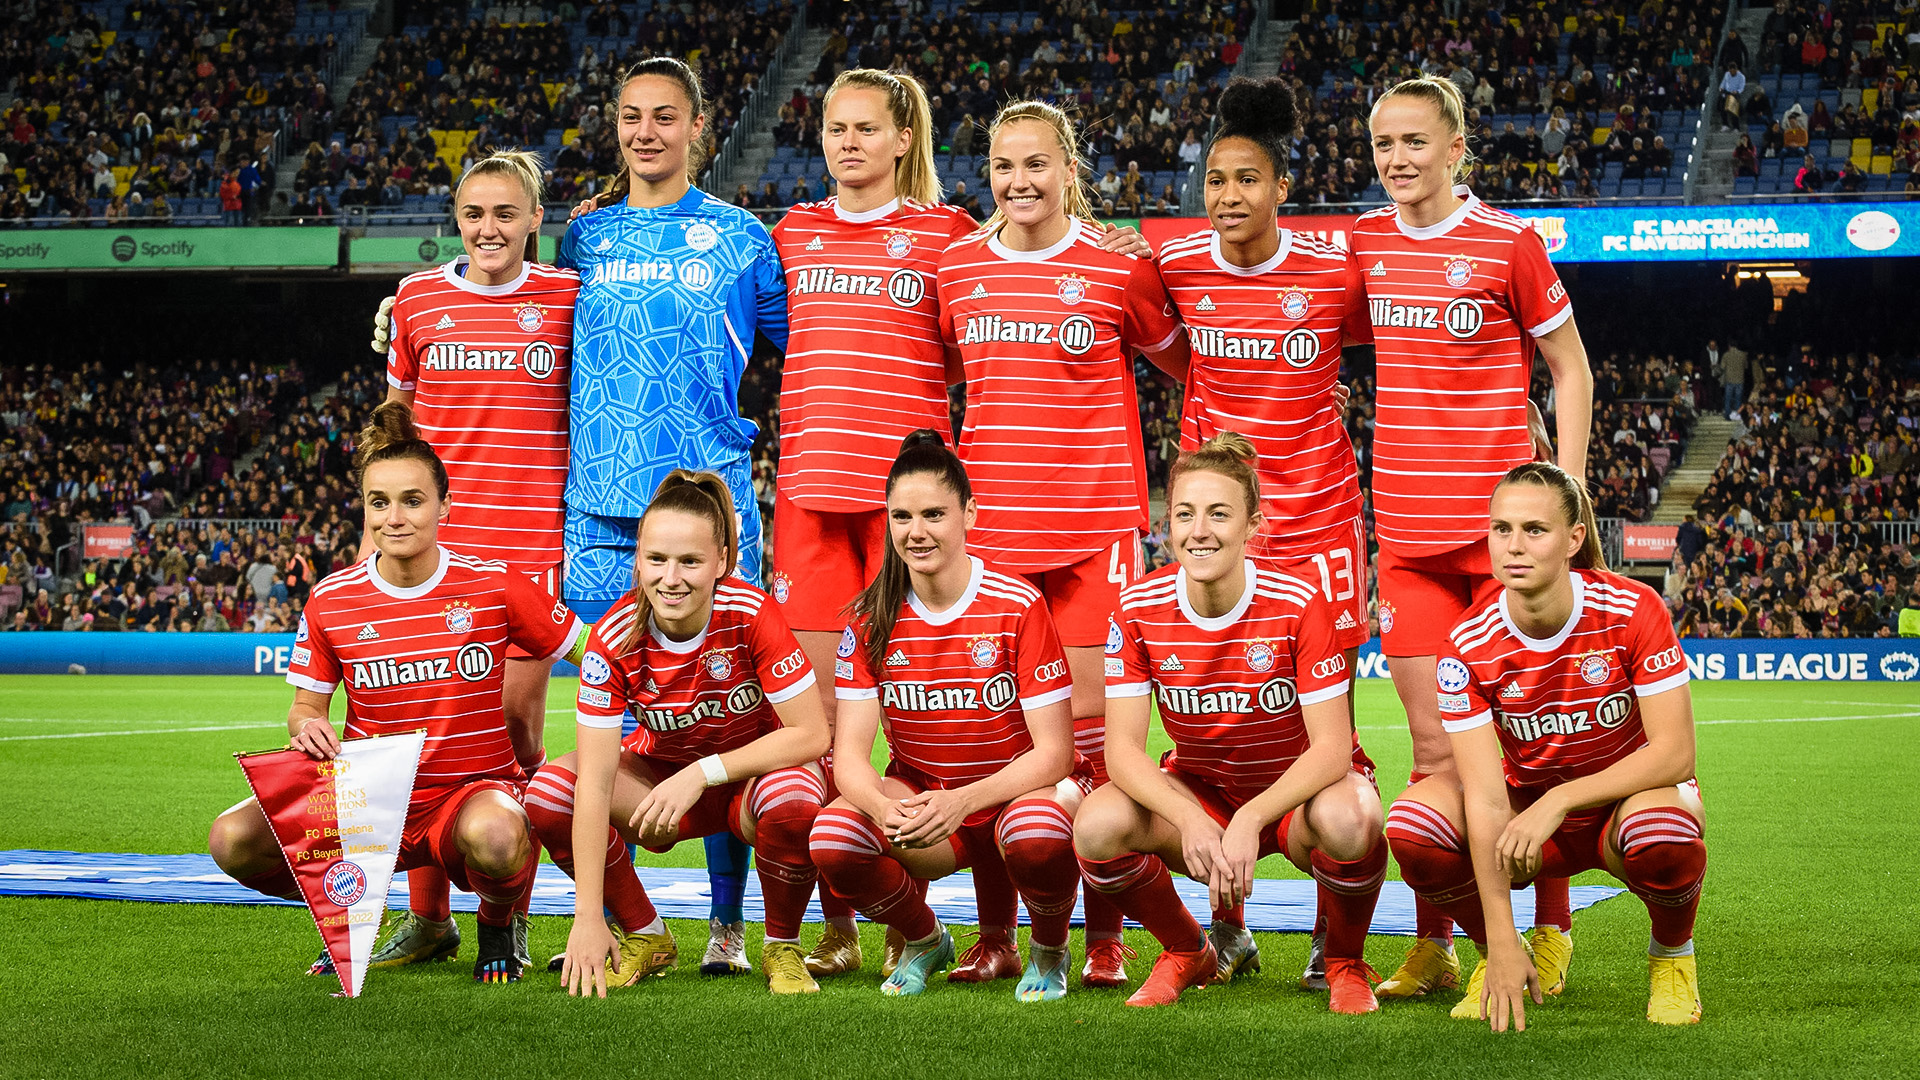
1861,150
107,37
122,188
1570,24
1600,135
1869,99
1881,165
569,135
1553,167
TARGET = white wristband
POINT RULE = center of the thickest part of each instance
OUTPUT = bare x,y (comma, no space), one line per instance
715,771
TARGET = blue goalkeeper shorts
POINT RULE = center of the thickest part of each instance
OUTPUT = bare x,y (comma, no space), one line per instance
601,552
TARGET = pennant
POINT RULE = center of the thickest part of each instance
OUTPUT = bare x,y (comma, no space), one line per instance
339,823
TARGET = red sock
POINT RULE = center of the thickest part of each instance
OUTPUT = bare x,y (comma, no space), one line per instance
1037,838
995,899
549,803
500,896
525,906
1236,916
275,882
1140,886
832,905
1553,903
1435,864
1428,920
429,895
1347,892
851,854
783,805
1666,859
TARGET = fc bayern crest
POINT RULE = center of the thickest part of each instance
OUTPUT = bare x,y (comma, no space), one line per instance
459,618
1260,655
529,317
344,883
782,586
719,665
984,651
1593,669
899,245
1459,271
701,236
1072,289
1293,302
1386,618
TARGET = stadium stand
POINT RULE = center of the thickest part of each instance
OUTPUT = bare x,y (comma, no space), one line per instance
127,111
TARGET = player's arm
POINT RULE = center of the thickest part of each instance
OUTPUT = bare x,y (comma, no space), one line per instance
801,737
310,726
589,944
1566,357
1134,770
938,813
1510,975
1173,357
1329,755
856,726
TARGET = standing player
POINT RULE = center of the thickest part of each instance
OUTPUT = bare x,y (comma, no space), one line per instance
1046,324
1460,296
1251,686
441,622
480,349
961,667
675,285
730,730
1266,311
1565,695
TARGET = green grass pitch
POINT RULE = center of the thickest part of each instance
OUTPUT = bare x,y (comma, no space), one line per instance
1802,935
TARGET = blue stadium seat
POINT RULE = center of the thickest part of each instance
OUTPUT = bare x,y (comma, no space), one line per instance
1744,185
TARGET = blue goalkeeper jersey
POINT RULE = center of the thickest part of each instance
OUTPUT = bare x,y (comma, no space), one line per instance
670,300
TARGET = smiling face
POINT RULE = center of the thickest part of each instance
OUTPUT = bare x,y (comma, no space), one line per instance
859,139
658,126
1242,191
496,217
1414,149
403,506
926,523
1208,524
1029,172
679,565
1530,542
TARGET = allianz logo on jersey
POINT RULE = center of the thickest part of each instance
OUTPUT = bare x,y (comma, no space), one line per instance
904,287
1073,333
537,360
693,273
1612,711
1275,695
1299,348
742,699
998,693
473,662
1460,317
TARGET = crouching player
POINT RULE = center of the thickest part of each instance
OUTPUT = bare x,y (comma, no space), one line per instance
1252,687
730,733
963,668
1565,696
412,601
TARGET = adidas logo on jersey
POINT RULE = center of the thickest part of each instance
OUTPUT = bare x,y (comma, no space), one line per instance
605,244
1172,663
1345,621
979,292
897,659
1379,269
1510,691
1205,304
368,633
445,323
816,245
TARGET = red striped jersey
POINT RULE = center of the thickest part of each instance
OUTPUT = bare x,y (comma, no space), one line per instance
709,694
865,362
1567,706
1266,356
489,367
954,683
1455,308
430,656
1229,688
1052,435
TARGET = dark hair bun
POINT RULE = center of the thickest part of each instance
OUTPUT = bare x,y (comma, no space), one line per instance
925,436
1259,109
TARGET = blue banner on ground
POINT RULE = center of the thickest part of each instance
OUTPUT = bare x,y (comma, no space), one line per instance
1770,659
1277,904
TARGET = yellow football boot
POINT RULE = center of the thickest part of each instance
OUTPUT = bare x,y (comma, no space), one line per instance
1428,967
786,968
1552,950
837,953
1673,993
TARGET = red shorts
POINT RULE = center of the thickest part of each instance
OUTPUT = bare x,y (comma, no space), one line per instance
1580,843
1422,597
975,841
718,808
821,562
548,579
1337,562
1220,803
1082,596
427,837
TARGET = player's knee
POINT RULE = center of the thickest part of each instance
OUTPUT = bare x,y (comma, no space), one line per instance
1344,826
1101,828
495,841
235,842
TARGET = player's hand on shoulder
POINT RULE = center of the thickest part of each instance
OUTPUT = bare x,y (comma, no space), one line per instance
1126,240
383,327
317,739
584,970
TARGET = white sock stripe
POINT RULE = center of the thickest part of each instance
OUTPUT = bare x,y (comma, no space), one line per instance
1353,886
847,827
1036,834
1406,812
1421,831
1645,838
547,804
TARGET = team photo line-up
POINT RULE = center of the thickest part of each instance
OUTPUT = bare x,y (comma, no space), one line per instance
980,605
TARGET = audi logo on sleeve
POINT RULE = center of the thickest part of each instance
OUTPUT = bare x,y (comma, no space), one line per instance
1661,660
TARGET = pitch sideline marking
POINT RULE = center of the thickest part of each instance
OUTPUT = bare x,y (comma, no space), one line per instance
144,731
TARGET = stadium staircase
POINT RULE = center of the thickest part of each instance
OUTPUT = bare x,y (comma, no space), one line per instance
1260,59
1712,434
757,150
1713,166
351,68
